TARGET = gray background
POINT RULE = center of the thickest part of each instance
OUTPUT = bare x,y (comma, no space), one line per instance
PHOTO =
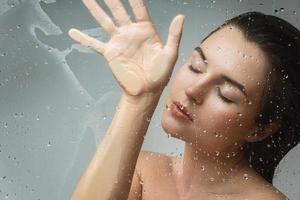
58,98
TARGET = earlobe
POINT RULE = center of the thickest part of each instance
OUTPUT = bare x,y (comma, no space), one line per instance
261,133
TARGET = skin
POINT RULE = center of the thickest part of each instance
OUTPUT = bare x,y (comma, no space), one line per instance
212,153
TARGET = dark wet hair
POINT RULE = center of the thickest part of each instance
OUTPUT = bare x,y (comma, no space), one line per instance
280,41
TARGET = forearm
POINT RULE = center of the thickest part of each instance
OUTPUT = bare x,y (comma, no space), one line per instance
109,174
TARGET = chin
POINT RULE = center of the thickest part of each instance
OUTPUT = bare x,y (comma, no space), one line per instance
173,128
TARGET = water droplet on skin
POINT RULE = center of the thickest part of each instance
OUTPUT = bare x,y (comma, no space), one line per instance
246,176
202,167
211,179
217,153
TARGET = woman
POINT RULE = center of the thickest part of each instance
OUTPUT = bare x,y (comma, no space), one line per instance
231,103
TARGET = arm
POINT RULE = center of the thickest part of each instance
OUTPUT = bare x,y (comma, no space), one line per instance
115,160
142,66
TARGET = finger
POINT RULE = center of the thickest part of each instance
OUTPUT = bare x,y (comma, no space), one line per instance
139,10
118,11
101,17
87,40
175,32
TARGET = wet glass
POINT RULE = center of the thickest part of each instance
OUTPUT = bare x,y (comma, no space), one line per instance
58,98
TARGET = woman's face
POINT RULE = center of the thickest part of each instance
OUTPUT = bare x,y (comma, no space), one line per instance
223,98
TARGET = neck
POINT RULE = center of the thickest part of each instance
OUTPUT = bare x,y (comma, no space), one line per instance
208,170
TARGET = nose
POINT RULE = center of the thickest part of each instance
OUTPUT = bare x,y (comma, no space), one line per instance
197,91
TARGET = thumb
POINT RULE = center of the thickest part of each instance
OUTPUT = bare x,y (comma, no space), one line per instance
175,32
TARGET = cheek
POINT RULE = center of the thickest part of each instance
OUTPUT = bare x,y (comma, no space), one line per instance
222,122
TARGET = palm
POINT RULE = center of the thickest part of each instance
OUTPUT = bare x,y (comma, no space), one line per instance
135,53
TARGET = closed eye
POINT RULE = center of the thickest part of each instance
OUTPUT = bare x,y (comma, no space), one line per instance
193,69
222,97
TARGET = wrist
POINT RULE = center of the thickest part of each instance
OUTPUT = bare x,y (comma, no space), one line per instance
145,98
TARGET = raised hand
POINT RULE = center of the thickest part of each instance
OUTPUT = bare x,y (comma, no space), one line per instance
135,53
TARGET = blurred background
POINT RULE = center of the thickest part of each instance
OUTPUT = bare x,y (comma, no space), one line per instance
57,98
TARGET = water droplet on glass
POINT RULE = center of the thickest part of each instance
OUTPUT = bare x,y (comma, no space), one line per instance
281,9
3,177
49,144
5,125
202,167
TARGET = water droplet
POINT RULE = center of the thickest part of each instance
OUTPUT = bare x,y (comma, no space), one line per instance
202,167
211,179
246,176
3,177
49,144
281,9
87,105
18,26
294,12
217,153
5,125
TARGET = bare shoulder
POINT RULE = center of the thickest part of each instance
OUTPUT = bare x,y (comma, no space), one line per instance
151,162
266,191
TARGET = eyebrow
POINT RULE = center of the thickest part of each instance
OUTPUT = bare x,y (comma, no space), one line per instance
224,77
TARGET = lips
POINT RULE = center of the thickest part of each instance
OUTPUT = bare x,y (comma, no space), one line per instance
183,109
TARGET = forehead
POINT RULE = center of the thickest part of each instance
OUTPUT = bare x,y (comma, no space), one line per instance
228,52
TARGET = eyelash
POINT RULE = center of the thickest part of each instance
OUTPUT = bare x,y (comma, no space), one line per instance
218,88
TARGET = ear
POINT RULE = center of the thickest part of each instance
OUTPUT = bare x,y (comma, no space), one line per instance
260,134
